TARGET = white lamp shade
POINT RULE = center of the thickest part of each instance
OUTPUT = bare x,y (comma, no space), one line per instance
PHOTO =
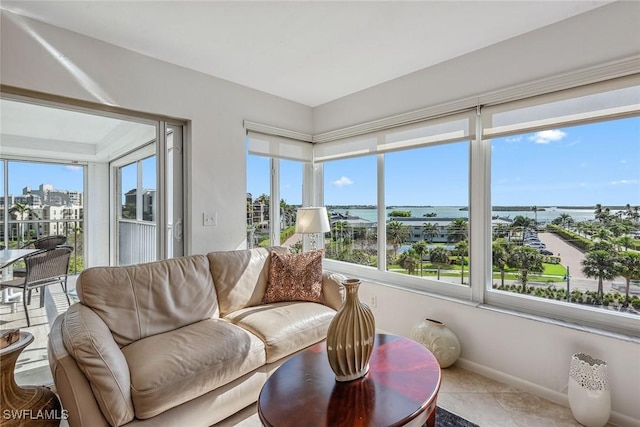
312,220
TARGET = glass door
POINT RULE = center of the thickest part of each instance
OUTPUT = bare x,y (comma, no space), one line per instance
174,186
137,211
149,201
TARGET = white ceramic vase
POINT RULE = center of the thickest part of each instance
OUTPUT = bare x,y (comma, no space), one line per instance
439,339
589,395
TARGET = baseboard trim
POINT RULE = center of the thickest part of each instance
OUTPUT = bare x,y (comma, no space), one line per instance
616,418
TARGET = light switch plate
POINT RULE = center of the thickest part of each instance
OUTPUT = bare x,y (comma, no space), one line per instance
210,219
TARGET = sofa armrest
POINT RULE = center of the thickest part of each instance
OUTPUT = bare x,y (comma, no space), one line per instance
89,341
72,386
333,289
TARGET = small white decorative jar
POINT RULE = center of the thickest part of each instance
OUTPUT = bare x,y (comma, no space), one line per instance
589,395
439,339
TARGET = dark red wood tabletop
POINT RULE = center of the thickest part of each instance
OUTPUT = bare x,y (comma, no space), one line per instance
400,388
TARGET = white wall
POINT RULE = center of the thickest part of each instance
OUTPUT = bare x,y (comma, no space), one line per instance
599,36
529,354
48,59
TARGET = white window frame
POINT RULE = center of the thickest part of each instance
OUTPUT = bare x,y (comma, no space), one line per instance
360,139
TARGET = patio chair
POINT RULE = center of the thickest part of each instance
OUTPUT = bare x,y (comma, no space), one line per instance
41,243
45,267
46,242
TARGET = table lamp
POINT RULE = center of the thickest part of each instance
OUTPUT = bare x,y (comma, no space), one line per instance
312,221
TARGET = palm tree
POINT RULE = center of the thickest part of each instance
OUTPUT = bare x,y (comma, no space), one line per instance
522,223
22,211
618,229
397,234
439,256
287,213
339,229
462,250
420,248
633,213
565,220
527,260
603,234
624,242
500,231
408,260
429,231
629,268
600,264
602,215
500,252
263,198
457,230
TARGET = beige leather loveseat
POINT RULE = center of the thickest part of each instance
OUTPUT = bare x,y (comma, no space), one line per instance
181,342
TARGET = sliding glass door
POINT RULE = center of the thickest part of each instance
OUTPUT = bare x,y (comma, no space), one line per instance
149,203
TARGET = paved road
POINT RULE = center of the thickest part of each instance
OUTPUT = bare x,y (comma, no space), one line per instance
572,257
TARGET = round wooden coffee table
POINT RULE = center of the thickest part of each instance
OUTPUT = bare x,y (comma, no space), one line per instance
400,389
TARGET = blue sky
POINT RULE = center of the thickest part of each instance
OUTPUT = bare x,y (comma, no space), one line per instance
68,177
578,165
570,166
23,174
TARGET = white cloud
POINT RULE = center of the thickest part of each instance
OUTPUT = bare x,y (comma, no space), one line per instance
72,168
624,182
342,182
514,138
547,136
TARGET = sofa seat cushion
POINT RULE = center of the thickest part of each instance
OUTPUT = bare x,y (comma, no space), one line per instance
285,327
174,367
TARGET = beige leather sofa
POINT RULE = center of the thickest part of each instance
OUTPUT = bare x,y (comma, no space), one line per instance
180,342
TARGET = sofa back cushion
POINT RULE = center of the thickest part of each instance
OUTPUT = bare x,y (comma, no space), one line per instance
241,276
141,300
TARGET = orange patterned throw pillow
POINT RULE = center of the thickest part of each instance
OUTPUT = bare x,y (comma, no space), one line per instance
295,277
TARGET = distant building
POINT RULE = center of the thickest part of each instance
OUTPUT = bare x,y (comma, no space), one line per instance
148,202
50,211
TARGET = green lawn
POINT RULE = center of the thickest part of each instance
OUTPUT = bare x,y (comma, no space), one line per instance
552,272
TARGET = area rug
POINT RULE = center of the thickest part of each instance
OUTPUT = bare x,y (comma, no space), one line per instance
445,418
248,417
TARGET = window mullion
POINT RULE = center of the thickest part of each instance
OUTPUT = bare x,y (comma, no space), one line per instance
382,217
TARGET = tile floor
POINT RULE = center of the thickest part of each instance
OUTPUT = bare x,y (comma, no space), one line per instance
469,395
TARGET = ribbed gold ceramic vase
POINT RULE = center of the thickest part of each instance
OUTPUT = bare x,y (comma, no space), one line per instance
351,336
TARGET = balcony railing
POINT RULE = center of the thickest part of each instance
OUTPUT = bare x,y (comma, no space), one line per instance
137,242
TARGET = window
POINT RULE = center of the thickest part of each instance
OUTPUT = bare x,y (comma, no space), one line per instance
43,199
290,200
547,195
258,201
427,196
350,195
568,200
275,169
261,229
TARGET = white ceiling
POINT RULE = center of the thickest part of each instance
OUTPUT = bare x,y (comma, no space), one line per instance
307,51
54,133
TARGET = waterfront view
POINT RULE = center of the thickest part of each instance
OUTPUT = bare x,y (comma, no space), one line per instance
543,214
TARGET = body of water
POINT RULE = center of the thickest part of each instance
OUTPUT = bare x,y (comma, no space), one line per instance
548,215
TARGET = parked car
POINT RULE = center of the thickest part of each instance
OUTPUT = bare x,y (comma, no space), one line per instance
545,252
536,245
